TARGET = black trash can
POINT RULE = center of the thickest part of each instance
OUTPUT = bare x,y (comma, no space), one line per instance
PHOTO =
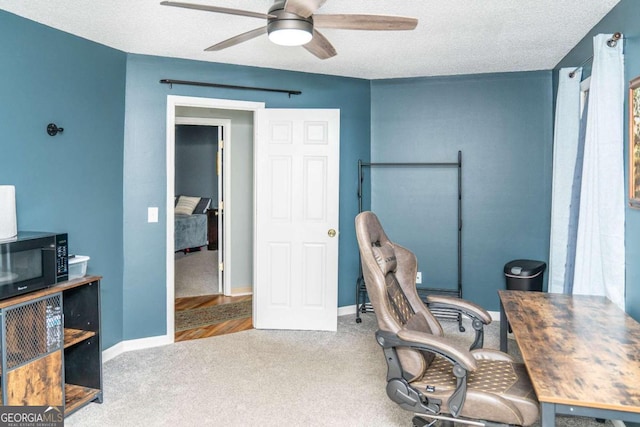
524,275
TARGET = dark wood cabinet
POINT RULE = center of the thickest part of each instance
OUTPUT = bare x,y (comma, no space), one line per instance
51,352
212,224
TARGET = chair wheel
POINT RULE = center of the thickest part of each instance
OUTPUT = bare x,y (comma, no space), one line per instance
358,320
461,328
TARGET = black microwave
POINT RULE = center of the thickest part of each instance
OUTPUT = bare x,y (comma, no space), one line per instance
32,260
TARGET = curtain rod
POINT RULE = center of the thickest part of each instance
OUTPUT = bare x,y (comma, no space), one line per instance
612,42
410,164
186,82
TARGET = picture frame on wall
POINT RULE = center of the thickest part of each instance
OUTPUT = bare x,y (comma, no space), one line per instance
634,143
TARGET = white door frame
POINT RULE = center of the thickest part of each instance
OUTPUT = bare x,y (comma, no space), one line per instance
224,126
174,101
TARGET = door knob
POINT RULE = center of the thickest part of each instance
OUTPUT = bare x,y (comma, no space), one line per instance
331,232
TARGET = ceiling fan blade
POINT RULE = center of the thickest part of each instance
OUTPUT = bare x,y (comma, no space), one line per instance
320,46
304,8
365,22
238,39
216,9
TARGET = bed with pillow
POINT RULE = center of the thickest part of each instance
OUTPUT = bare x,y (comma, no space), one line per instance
190,229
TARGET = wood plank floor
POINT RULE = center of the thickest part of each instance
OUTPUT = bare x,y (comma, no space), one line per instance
227,327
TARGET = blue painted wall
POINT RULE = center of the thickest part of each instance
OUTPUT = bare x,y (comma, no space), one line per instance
144,165
71,182
502,123
195,160
623,18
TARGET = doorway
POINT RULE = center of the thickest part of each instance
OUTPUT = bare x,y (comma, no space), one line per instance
201,309
317,171
199,237
209,112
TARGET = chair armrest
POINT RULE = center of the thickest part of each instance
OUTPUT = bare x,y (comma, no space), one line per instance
398,388
465,307
491,354
429,343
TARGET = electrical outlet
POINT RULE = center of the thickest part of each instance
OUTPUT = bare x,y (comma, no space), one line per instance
419,278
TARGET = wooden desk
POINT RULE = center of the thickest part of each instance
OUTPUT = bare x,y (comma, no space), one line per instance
582,353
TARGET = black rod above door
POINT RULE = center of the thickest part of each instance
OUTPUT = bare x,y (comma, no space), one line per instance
219,85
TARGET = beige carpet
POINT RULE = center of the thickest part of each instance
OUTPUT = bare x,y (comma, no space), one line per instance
261,378
196,273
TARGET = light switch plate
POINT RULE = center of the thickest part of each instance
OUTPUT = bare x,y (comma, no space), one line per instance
152,214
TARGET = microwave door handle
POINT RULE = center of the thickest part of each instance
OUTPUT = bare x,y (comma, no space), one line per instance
49,264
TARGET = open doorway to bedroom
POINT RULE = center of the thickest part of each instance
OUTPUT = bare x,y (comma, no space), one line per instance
197,198
201,122
201,308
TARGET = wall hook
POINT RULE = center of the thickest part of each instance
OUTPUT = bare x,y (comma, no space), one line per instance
53,130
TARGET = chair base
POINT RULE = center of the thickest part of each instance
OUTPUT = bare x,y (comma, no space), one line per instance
424,420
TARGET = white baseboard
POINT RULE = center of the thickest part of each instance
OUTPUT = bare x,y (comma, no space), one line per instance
346,310
142,343
237,292
112,352
137,344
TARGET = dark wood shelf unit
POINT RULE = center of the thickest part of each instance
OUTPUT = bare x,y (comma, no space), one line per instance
83,358
74,336
76,396
67,374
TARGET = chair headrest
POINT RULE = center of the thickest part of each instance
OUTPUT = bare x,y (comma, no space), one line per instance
369,229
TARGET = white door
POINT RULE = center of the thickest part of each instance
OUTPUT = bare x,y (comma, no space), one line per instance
296,241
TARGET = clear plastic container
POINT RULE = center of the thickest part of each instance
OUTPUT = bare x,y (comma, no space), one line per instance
78,266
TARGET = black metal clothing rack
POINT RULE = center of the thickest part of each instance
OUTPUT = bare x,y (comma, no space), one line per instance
362,304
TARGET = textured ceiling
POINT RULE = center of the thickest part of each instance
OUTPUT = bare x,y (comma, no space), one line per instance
452,37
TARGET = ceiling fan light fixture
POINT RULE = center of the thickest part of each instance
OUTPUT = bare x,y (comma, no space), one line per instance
286,28
291,23
290,32
290,37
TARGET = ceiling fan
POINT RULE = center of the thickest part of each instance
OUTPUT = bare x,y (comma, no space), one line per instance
294,23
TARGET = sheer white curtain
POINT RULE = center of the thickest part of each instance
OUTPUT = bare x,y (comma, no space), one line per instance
600,252
565,147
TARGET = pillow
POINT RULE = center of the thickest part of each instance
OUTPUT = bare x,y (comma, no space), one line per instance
202,206
186,205
385,256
